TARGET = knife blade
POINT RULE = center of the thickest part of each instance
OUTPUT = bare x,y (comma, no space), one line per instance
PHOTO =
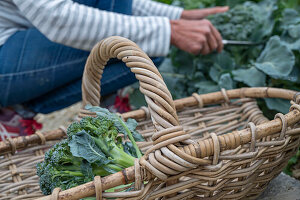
246,43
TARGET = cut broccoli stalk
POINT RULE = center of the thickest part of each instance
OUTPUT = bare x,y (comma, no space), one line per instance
117,155
132,140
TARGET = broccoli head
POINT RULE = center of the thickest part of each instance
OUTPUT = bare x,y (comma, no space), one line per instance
93,148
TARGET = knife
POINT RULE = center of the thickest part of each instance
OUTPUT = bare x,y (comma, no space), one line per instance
246,43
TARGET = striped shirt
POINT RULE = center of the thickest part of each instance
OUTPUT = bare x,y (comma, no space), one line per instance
80,26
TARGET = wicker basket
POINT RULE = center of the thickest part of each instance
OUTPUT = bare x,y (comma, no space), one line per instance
225,150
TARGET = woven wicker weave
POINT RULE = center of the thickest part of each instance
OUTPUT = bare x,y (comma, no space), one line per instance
225,150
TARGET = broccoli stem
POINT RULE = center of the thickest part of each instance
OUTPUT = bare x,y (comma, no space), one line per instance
103,172
137,150
72,167
119,156
68,173
74,173
114,167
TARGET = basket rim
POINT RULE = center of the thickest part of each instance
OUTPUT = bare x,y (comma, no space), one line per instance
22,142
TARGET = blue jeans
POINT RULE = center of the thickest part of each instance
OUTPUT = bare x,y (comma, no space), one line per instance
46,76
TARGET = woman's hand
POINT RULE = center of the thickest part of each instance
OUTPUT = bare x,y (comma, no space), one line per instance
202,13
195,36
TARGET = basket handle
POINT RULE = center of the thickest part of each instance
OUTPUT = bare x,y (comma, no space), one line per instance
159,99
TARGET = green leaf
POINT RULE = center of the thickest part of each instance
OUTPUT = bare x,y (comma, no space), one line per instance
129,149
293,77
294,31
251,77
223,61
289,16
132,124
137,99
276,60
182,61
225,81
171,82
86,169
166,66
103,112
291,37
292,43
82,145
214,74
206,87
280,105
290,25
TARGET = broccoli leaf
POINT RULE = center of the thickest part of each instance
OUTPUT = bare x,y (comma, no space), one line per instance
291,29
225,81
251,77
281,105
87,169
214,73
82,145
206,87
276,60
289,17
132,124
129,149
136,98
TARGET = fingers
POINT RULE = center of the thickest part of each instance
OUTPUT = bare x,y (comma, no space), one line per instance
208,36
205,50
211,11
196,37
213,37
218,38
198,43
212,42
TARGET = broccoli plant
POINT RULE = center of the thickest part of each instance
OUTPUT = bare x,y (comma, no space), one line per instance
95,146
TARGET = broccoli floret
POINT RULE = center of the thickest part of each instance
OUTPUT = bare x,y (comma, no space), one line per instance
51,177
75,127
60,169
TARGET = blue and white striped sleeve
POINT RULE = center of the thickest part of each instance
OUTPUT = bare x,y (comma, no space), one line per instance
152,8
80,26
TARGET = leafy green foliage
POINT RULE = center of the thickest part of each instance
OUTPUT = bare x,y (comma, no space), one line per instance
280,105
275,63
276,60
94,147
240,22
257,79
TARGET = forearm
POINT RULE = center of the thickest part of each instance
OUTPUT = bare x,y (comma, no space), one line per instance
79,26
152,8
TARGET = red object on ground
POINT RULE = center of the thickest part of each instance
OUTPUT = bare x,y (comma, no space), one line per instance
13,125
122,104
